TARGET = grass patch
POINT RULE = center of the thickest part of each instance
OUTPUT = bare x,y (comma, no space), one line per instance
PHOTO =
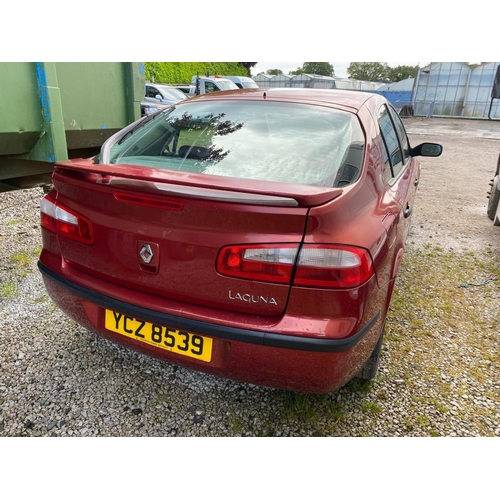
443,328
21,258
359,385
235,423
371,408
432,301
312,407
423,420
299,405
336,413
7,290
24,258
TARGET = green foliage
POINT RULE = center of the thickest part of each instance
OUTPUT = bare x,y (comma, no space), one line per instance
21,258
274,72
235,423
401,73
371,407
7,289
299,405
318,68
248,66
368,71
315,68
177,73
380,72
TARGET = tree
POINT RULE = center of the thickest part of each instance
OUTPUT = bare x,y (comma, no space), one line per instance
399,73
248,66
274,72
318,68
380,72
298,71
368,71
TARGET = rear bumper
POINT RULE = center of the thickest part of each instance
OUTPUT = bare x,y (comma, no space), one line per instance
209,329
302,364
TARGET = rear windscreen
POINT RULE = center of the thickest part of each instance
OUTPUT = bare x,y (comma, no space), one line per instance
293,143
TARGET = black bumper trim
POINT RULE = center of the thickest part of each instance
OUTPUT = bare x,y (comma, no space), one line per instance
210,329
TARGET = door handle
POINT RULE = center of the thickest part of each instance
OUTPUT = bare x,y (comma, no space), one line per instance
408,211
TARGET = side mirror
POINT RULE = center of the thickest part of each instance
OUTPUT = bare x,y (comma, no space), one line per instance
427,149
158,96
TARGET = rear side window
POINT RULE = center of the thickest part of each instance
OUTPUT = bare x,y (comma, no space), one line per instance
392,153
151,92
403,138
253,140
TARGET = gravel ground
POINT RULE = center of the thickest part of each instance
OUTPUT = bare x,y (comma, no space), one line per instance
439,373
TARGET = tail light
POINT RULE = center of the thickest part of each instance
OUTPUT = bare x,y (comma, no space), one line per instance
63,221
259,262
319,266
328,266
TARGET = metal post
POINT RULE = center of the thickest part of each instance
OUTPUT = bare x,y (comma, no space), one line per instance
134,81
51,145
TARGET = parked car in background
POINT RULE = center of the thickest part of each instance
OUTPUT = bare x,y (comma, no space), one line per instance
166,94
160,96
207,84
243,82
247,234
183,88
148,107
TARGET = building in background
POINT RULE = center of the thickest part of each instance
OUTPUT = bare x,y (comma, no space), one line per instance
398,93
452,89
309,81
456,89
262,80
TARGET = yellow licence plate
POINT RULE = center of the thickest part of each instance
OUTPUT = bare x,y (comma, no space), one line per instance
164,337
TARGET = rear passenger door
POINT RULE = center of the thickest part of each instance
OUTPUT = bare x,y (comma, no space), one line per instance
401,171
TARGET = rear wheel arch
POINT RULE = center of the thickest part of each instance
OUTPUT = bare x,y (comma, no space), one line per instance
370,368
394,274
397,263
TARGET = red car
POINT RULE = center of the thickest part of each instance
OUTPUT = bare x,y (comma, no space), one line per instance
253,234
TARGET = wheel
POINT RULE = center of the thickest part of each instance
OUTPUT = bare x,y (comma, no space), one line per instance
494,199
370,369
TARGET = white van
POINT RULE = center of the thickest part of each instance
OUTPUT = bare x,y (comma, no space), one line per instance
243,82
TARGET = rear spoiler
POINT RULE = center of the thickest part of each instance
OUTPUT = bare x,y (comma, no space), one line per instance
210,187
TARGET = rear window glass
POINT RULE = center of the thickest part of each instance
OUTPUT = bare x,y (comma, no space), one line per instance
253,140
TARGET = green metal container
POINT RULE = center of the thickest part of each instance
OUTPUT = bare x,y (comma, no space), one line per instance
56,111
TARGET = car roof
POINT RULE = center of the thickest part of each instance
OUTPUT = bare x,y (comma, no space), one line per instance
162,85
345,98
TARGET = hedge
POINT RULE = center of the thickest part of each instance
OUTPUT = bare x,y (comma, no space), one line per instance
177,73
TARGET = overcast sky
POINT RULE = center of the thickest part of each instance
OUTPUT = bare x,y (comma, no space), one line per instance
340,68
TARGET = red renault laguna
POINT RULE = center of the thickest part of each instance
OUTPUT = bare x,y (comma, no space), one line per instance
255,235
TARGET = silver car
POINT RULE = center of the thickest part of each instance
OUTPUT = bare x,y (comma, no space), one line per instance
160,96
165,94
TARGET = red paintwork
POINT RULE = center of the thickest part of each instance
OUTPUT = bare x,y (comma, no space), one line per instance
184,281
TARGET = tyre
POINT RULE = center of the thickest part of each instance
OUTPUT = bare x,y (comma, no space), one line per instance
370,369
494,199
494,194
